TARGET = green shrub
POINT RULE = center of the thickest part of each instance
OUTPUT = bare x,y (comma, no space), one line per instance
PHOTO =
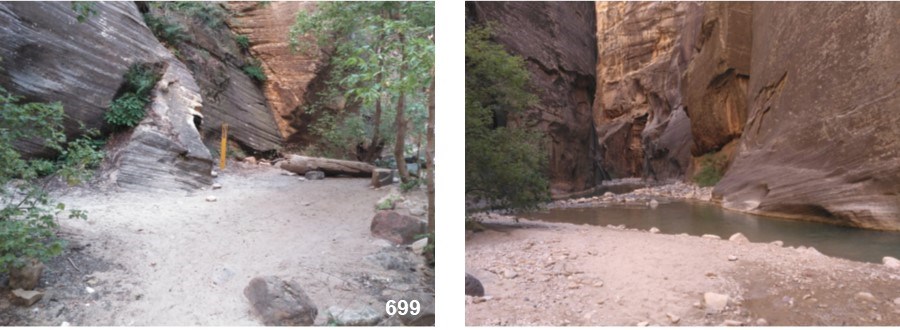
127,110
506,167
27,212
84,9
168,32
254,70
243,42
210,14
410,185
712,168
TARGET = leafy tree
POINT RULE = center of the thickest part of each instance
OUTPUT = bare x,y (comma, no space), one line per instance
27,213
505,166
381,54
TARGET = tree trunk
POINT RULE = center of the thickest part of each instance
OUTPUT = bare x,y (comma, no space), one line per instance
302,164
429,156
373,151
400,143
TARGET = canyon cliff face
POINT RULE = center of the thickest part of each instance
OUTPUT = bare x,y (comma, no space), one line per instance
49,56
229,95
822,139
557,42
291,75
714,87
642,129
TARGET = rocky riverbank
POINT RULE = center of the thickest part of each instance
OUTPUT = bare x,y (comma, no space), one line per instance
537,273
641,197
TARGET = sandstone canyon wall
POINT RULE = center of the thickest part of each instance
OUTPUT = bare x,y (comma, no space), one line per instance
641,126
49,56
557,41
229,95
822,139
291,74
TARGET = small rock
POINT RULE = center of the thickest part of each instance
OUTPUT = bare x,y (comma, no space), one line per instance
762,322
314,175
473,286
214,174
217,186
654,230
732,258
26,297
739,238
280,303
897,301
27,276
419,246
509,274
354,317
211,198
715,302
301,178
643,324
891,262
697,305
264,163
654,204
711,236
866,296
673,318
732,323
250,160
89,289
777,243
397,228
64,324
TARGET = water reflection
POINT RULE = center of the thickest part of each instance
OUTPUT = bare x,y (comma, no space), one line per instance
702,218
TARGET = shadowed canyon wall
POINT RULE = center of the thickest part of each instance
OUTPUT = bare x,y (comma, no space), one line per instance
803,110
822,139
557,41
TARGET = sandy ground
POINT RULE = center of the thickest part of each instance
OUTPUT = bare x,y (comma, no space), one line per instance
172,258
537,273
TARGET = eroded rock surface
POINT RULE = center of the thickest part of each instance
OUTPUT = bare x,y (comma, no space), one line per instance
229,95
49,56
558,44
641,126
715,83
821,141
289,74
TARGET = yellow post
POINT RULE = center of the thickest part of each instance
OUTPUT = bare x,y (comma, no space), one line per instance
223,151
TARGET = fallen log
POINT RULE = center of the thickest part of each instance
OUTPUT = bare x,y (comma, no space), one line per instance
302,164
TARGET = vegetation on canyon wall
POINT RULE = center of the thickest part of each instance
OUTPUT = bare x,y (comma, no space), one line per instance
381,56
505,166
128,109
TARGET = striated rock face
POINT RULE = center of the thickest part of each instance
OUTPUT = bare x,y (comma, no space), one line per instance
229,95
557,42
164,151
48,56
289,73
714,86
822,138
638,113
